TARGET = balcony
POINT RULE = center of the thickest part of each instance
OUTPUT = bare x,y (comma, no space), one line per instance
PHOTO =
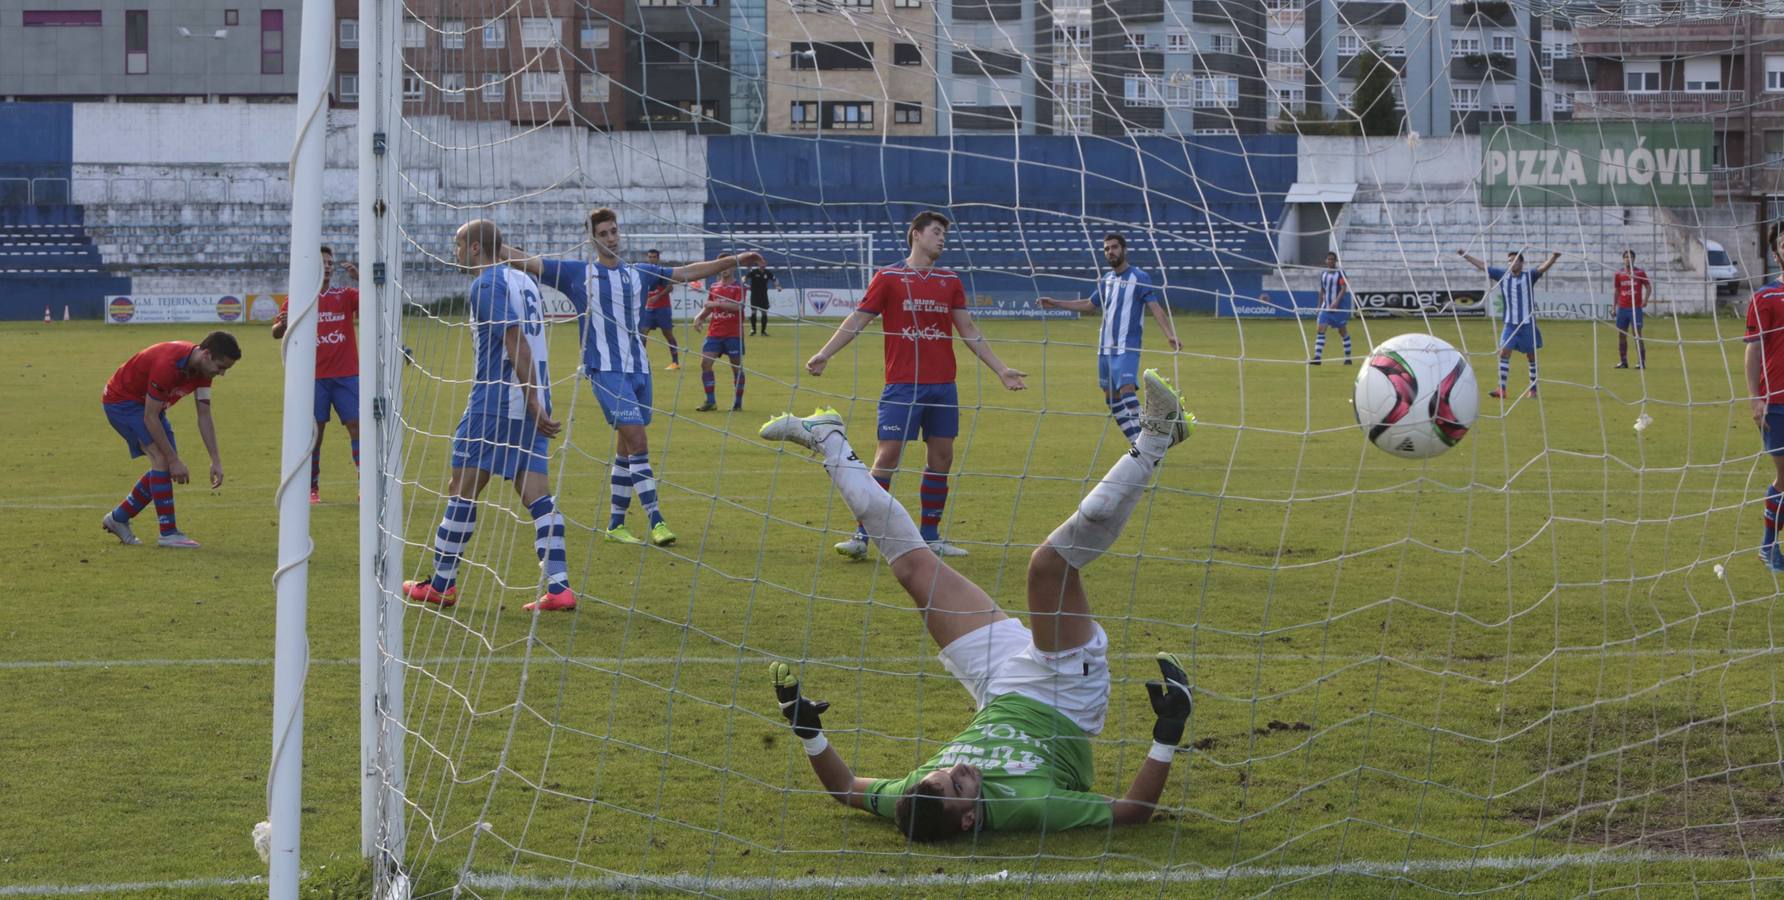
1655,104
1674,38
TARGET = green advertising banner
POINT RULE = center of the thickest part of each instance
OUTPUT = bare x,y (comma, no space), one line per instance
1597,163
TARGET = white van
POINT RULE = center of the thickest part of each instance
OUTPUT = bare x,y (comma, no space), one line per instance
1722,270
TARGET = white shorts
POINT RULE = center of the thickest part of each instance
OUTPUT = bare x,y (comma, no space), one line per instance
1001,658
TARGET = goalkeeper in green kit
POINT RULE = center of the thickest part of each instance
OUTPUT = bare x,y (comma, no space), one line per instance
1024,762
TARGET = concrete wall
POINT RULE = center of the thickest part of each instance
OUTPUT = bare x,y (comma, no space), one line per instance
34,61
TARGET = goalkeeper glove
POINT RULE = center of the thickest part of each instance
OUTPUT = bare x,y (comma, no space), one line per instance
1170,701
801,713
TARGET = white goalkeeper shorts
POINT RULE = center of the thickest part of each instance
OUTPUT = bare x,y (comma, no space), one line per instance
1001,658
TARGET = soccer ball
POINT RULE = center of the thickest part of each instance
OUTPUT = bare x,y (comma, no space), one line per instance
1415,396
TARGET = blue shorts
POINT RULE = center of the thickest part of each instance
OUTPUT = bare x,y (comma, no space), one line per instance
1334,318
126,419
1626,316
1774,429
662,317
1117,370
624,396
910,410
340,393
729,346
499,445
1525,338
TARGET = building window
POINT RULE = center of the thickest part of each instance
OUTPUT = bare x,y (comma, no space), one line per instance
1178,94
232,17
1138,40
349,88
495,34
849,114
1216,91
907,113
452,34
541,87
412,86
1774,72
1504,45
1561,101
493,88
349,32
63,18
538,32
136,42
907,4
1705,9
1703,74
1138,90
1641,77
1468,45
414,34
1396,51
1350,44
272,42
452,87
695,111
596,37
1214,132
1226,43
1465,99
831,56
1774,149
1177,42
906,55
803,113
593,86
1293,99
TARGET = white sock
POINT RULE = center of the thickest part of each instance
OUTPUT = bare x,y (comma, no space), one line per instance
887,523
1092,530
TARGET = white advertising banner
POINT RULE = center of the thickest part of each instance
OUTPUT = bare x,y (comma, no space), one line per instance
784,304
156,309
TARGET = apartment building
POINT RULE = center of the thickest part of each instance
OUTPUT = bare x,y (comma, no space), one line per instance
1179,67
850,66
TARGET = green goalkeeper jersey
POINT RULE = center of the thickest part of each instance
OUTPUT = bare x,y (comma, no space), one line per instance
1035,764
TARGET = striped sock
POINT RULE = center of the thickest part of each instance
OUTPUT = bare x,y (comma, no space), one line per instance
161,489
548,542
1533,373
706,381
1319,345
1504,371
1127,415
737,386
1346,337
449,542
933,493
316,469
645,484
136,501
885,483
1771,520
621,479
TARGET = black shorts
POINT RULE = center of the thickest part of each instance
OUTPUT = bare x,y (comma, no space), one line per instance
759,303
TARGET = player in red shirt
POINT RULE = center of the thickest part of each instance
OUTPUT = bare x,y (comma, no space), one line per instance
1633,291
136,401
724,308
337,362
1765,387
658,314
921,306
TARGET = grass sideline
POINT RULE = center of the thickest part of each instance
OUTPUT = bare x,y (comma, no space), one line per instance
1519,647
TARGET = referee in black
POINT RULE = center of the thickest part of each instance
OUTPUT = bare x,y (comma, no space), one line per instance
760,278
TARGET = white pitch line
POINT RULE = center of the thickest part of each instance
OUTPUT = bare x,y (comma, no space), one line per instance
126,887
734,884
545,659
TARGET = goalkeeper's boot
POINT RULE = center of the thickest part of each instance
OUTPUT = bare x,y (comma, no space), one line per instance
1161,409
425,592
854,548
620,534
943,548
176,539
120,530
808,432
552,602
661,535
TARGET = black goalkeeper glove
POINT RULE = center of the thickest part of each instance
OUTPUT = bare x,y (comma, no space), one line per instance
801,713
1170,701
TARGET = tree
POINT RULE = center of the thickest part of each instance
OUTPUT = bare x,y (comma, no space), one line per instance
1373,99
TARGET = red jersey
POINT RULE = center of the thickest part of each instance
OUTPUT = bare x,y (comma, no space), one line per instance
916,309
658,296
1633,290
159,371
1765,324
337,349
724,323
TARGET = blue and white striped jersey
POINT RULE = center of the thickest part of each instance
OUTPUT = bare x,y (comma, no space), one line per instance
1519,293
1122,298
1334,290
502,298
610,302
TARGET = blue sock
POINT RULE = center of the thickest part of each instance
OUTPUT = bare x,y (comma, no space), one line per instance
449,542
1319,345
1346,336
1504,371
621,480
645,484
548,542
1533,373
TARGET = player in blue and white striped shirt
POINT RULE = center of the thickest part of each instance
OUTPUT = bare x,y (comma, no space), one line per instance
1124,294
1334,308
609,297
507,425
1517,286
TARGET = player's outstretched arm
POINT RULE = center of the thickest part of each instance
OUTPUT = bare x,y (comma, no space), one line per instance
802,713
1548,264
1471,260
1172,703
530,263
703,270
975,341
207,429
851,326
1077,305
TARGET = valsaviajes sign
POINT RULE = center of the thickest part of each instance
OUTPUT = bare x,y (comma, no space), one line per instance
1598,164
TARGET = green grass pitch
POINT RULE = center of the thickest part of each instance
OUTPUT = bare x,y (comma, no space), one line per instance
1513,667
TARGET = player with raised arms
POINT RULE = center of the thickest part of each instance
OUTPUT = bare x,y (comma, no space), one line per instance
922,307
724,310
1633,290
609,298
659,314
1517,287
1765,387
337,362
1335,302
1042,692
507,426
136,401
1124,295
